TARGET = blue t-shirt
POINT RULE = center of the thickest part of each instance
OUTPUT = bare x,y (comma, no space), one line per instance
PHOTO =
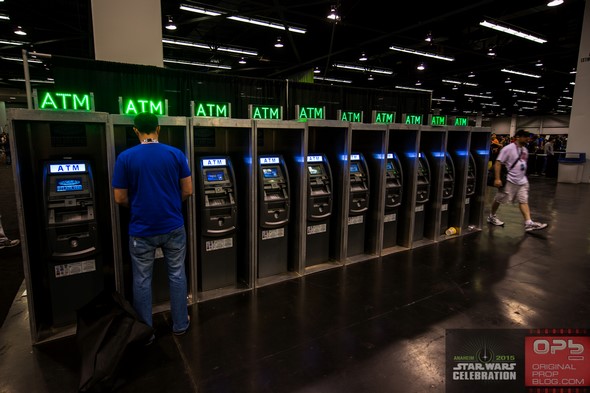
151,174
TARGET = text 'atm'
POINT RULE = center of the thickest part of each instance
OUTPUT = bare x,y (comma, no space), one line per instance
393,199
74,267
448,190
217,232
319,209
273,215
358,204
423,182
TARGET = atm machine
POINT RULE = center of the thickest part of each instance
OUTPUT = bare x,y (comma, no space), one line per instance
393,199
217,265
469,187
448,190
423,182
358,204
273,213
74,265
319,209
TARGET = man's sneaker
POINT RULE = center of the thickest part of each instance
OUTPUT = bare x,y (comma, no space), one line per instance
494,220
534,226
181,332
9,243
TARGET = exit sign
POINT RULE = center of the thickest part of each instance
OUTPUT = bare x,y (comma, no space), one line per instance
265,112
310,112
412,119
212,109
63,101
135,106
351,116
438,120
461,121
383,117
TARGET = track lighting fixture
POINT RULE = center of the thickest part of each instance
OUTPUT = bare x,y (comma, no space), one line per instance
279,43
170,24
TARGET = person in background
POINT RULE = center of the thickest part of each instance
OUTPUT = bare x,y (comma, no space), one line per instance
548,150
5,145
514,157
495,147
4,240
153,179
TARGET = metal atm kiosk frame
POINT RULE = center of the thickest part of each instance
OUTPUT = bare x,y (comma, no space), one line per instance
470,185
358,204
319,209
448,191
423,191
394,186
217,202
273,215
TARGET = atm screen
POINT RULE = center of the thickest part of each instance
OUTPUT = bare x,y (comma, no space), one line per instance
215,176
65,185
389,166
314,169
269,172
354,168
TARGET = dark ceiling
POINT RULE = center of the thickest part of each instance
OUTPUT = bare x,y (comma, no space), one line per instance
64,27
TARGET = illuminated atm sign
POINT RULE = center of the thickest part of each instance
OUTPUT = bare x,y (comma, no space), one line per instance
438,120
310,112
351,116
62,101
212,109
412,119
461,121
135,106
382,117
72,167
265,112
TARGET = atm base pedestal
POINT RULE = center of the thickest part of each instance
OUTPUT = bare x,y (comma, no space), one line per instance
218,267
272,252
73,284
356,236
444,217
390,229
419,224
317,243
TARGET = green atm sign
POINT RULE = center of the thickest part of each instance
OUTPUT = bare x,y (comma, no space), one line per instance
438,120
461,121
62,101
134,106
412,119
383,117
266,112
351,116
212,109
310,112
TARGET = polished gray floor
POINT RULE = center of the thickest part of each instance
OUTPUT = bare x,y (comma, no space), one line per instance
375,326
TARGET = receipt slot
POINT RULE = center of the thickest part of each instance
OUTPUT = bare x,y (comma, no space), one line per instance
273,213
469,188
74,268
319,209
448,190
217,267
423,182
393,199
358,204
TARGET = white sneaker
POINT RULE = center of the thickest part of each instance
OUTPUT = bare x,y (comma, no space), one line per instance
534,226
494,220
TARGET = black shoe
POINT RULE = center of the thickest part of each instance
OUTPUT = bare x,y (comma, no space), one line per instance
181,332
150,340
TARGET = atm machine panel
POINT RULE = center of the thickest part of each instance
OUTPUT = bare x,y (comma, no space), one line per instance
319,209
393,199
358,204
471,176
422,195
448,191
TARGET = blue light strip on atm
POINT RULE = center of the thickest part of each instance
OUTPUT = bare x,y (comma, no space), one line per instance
483,152
355,157
461,153
314,159
269,160
67,168
214,162
438,154
389,156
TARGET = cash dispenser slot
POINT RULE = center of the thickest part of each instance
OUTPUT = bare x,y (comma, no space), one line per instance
393,182
217,233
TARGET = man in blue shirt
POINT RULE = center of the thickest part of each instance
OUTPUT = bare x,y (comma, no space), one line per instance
153,179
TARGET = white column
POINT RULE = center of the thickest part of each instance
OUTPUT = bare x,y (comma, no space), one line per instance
579,132
128,31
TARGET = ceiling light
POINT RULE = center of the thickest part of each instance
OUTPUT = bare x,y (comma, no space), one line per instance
200,10
170,24
442,100
527,101
421,67
317,70
363,69
418,83
363,57
491,52
32,80
520,73
573,71
370,77
421,53
331,79
525,91
10,58
539,63
19,31
459,82
202,45
264,23
573,83
11,42
198,64
455,87
510,30
279,43
4,17
478,96
413,89
554,3
428,37
471,75
242,60
333,15
508,80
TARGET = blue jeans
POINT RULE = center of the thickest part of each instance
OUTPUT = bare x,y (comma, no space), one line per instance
142,251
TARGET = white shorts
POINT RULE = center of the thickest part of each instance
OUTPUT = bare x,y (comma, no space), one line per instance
513,193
